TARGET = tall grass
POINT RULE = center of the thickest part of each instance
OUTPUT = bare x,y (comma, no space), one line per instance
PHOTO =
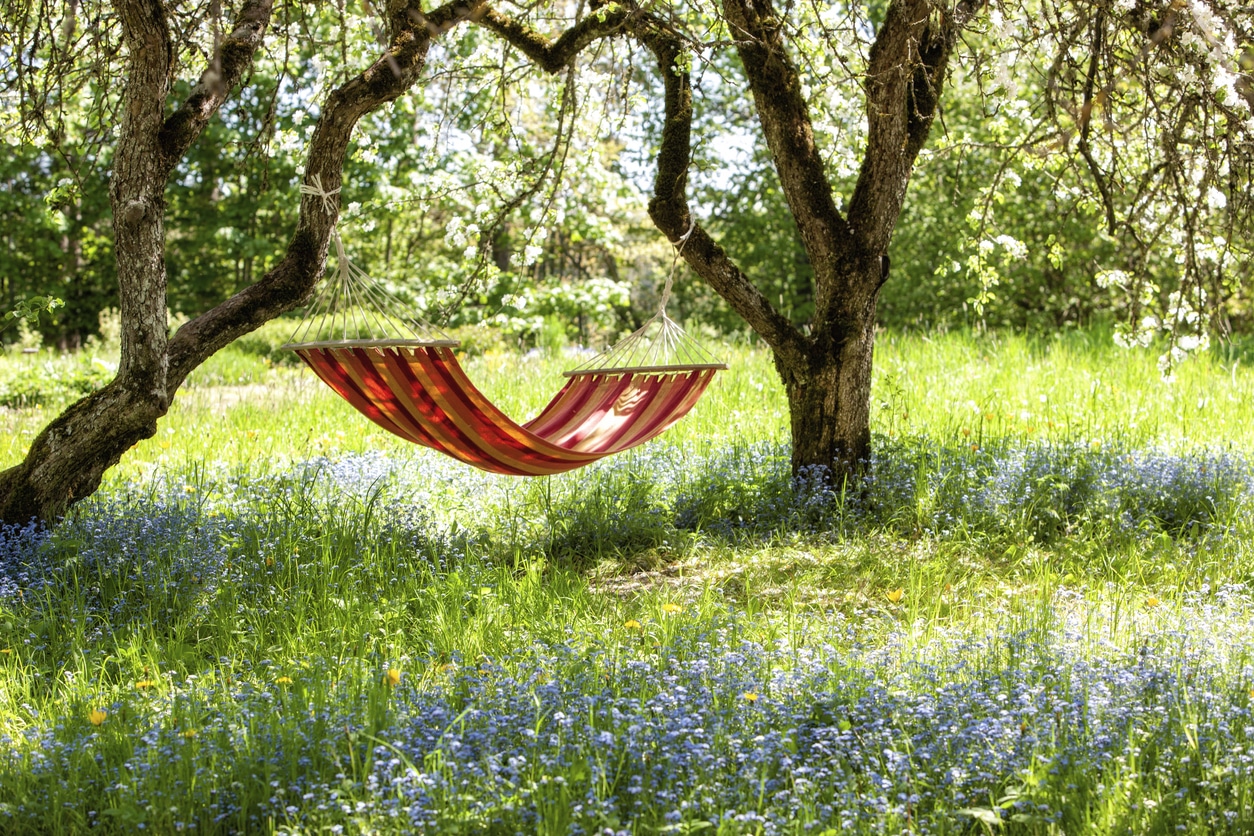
956,388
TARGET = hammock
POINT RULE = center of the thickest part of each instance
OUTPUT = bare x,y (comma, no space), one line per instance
415,387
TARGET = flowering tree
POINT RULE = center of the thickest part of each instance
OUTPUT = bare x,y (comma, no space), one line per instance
1151,107
1147,104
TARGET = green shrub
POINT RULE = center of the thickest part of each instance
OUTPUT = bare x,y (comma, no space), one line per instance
24,385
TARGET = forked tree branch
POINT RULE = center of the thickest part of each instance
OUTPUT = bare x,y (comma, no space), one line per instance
785,117
905,76
554,55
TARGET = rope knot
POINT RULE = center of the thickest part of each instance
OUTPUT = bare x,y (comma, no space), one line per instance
314,187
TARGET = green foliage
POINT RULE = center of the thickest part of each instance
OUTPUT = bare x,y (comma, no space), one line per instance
267,342
30,309
31,382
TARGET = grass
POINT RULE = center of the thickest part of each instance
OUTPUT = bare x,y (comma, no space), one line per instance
1033,618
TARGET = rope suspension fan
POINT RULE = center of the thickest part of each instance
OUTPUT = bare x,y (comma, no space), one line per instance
404,376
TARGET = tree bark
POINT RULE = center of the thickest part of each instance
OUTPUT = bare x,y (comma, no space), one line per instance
69,457
829,403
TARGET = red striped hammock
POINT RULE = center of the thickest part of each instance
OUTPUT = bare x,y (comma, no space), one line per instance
420,393
417,389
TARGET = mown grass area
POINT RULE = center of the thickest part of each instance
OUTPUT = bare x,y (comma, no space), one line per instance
1033,616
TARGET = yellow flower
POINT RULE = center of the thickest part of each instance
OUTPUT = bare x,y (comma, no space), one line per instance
97,716
632,624
8,651
448,667
895,595
144,684
671,609
1152,601
269,561
283,680
189,733
750,696
394,676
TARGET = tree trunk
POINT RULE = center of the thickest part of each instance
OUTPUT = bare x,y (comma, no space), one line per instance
827,372
829,401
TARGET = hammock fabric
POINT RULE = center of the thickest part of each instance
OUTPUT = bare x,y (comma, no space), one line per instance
420,393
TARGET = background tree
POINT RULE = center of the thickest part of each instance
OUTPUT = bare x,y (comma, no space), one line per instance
1165,79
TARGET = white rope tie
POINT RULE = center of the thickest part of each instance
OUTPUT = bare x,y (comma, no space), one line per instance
670,278
314,187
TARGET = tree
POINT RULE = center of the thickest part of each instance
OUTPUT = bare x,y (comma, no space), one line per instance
67,459
1169,81
825,368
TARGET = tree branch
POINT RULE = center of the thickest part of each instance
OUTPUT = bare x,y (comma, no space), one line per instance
785,118
553,55
669,205
1086,122
904,80
235,55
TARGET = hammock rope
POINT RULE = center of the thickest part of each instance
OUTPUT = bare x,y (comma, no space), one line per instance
413,385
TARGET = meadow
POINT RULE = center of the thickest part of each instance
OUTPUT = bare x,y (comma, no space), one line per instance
1034,614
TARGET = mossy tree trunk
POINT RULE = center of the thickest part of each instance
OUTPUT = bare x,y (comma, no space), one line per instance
67,460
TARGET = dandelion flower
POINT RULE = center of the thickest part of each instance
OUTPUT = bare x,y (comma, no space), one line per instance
394,677
895,595
671,609
1152,601
283,680
97,716
144,684
8,651
750,696
632,624
189,733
